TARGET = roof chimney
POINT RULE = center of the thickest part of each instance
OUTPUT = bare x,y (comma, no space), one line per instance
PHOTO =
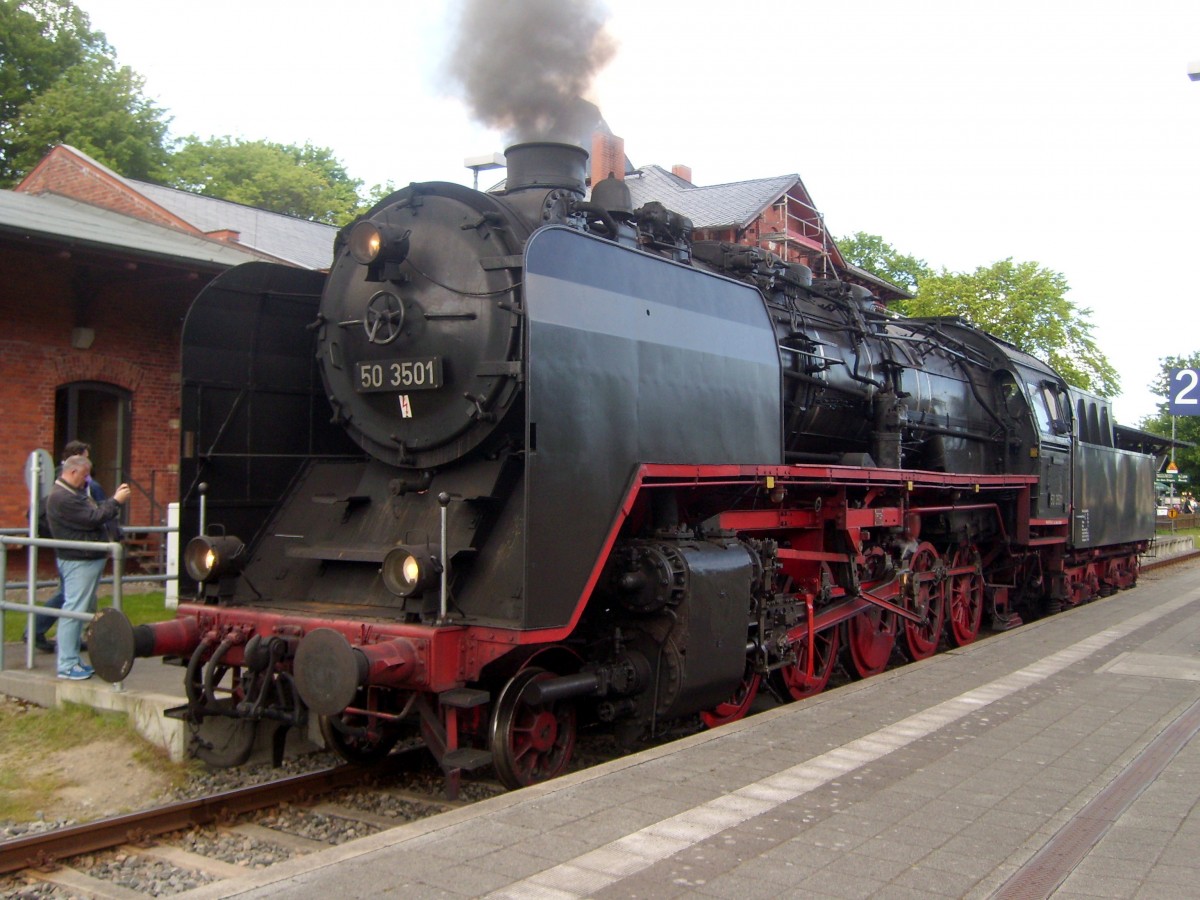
608,157
681,171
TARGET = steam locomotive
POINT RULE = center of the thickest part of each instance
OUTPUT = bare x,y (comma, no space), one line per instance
530,461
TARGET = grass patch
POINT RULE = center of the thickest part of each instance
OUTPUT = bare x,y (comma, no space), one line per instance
29,735
1165,531
22,793
61,728
140,608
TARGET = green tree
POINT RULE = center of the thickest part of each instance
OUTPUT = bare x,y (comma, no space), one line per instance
1026,305
871,252
39,40
308,182
1187,428
99,109
58,84
376,193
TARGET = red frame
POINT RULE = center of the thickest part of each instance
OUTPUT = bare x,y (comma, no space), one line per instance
448,656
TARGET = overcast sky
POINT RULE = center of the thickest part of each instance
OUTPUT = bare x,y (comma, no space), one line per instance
1066,133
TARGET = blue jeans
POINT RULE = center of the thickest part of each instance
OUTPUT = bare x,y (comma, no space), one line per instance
80,578
42,624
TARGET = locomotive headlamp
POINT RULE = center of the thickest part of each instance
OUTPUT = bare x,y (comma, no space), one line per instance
370,243
408,571
207,557
365,242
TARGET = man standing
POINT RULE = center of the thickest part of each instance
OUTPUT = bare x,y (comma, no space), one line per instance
43,624
75,516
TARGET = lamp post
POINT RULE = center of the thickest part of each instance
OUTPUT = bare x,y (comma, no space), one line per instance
1173,474
479,164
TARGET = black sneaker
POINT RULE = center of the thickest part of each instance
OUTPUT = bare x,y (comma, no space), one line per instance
44,644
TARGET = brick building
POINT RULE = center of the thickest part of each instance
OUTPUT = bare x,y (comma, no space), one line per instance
776,214
96,275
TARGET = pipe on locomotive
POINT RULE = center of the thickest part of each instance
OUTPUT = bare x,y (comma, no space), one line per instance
329,671
628,675
116,642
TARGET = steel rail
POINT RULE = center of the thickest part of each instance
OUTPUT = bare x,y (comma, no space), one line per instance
44,848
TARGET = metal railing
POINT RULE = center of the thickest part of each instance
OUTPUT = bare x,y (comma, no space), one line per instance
113,548
28,538
151,496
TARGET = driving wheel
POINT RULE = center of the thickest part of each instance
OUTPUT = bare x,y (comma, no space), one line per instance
870,637
928,600
795,677
966,598
530,742
736,706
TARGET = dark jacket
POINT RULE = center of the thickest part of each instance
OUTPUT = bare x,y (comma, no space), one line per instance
113,528
75,516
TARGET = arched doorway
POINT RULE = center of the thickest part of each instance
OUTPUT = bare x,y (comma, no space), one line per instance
99,414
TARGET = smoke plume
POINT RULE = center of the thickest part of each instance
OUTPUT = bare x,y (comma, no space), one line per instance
525,66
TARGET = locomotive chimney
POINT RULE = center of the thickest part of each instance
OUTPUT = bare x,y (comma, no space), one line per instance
545,165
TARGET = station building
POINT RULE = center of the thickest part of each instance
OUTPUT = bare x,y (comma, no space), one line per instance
96,274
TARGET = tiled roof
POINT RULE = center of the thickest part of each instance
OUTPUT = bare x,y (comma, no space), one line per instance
733,205
273,236
62,219
289,239
737,205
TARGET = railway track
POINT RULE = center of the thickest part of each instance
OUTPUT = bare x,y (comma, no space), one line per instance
179,846
49,846
182,845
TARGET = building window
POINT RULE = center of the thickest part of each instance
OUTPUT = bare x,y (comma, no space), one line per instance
98,414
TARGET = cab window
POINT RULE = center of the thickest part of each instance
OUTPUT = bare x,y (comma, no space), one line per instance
1046,407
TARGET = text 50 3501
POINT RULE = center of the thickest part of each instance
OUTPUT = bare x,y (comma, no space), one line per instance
399,374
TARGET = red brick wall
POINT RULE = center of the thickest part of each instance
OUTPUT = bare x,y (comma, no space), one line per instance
136,315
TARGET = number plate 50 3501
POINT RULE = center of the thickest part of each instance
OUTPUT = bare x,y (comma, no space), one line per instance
398,374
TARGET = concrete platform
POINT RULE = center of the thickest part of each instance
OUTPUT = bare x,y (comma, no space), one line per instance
1168,546
1054,759
150,690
